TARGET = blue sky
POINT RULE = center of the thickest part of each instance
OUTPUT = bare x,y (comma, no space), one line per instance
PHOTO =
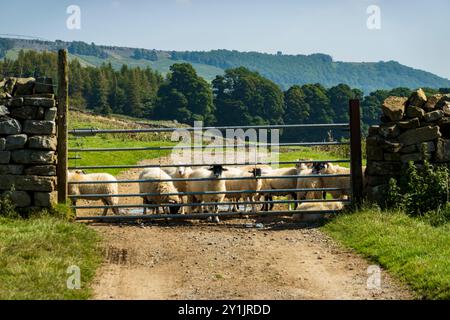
415,33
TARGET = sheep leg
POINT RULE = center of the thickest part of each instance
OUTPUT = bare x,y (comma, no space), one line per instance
271,205
236,205
145,202
105,210
112,202
190,200
216,210
294,196
252,199
266,203
74,203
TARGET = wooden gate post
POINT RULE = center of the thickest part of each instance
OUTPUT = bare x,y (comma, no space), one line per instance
63,106
355,152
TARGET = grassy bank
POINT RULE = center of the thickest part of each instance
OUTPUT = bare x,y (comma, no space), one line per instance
35,254
409,248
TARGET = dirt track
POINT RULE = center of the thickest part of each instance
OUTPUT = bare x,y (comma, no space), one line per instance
196,260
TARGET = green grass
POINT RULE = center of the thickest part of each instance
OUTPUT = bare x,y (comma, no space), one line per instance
309,153
79,120
114,158
409,248
35,254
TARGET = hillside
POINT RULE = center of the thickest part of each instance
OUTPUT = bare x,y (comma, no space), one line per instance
285,70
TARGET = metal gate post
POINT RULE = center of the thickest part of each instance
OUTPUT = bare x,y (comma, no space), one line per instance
355,152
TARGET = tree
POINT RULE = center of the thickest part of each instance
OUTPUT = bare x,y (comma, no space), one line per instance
340,96
297,110
100,94
317,97
185,97
245,97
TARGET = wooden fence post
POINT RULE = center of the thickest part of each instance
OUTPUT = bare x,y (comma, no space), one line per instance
355,152
63,106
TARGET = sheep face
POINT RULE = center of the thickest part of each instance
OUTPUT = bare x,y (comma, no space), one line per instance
182,171
320,167
217,171
256,172
174,209
328,168
302,166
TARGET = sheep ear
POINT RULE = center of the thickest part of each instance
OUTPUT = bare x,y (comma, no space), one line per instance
172,201
224,169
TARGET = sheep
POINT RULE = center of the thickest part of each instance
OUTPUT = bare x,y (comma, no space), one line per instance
100,189
179,173
252,183
336,182
316,206
214,173
162,188
279,183
304,169
182,173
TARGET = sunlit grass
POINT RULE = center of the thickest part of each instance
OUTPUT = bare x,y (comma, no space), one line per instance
409,248
36,253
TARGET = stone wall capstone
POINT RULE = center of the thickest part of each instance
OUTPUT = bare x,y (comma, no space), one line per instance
28,141
411,129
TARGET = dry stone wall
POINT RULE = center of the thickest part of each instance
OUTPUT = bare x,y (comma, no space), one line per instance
28,141
411,129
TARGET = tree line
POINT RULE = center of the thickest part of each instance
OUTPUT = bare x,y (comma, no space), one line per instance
238,97
129,91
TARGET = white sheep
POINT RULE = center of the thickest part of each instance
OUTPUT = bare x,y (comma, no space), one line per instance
316,206
179,173
252,183
336,182
279,183
305,169
182,173
90,189
214,173
162,188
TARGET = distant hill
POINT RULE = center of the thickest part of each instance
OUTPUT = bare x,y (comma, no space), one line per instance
285,70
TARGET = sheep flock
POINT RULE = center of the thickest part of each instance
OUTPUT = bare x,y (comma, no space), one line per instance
208,189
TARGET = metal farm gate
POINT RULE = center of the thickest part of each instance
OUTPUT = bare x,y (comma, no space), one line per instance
354,141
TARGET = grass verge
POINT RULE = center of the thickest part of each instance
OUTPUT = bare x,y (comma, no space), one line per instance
409,248
35,254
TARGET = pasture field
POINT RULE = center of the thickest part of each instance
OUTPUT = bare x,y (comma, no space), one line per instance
410,248
79,120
